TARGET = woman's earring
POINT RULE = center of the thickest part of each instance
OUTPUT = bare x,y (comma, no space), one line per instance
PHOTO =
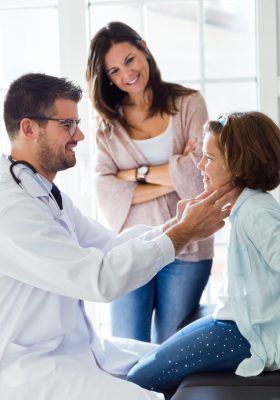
111,83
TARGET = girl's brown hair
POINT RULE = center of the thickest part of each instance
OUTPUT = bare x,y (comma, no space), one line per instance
250,145
107,98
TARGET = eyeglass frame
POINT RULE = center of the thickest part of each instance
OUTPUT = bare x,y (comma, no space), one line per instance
71,122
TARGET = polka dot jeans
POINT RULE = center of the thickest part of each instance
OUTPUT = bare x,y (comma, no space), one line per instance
204,345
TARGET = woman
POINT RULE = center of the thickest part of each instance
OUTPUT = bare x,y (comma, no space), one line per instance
148,144
243,334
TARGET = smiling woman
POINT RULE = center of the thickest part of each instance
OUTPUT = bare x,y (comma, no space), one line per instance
148,144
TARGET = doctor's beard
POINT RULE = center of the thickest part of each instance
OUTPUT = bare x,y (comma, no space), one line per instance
54,160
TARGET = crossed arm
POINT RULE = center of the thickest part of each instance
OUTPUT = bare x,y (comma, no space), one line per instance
158,183
158,180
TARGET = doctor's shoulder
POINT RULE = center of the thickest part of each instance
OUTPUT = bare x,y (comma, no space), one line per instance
10,195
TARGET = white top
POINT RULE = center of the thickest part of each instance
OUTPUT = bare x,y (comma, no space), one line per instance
163,142
49,263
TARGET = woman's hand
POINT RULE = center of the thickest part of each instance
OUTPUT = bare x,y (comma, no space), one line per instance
190,146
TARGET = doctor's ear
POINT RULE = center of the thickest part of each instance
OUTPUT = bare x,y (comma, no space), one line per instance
26,126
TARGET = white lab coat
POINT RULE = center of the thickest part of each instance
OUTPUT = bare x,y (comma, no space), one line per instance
49,264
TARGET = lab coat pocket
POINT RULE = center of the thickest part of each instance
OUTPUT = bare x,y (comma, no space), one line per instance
25,364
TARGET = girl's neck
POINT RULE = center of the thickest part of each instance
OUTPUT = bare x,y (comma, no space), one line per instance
234,200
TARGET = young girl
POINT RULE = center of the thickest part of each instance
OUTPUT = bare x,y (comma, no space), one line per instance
243,333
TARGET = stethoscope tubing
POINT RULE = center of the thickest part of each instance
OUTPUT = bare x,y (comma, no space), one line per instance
14,163
30,166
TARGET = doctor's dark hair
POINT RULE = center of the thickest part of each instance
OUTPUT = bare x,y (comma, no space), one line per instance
250,145
106,98
34,94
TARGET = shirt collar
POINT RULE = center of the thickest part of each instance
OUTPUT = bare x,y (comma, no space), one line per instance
245,194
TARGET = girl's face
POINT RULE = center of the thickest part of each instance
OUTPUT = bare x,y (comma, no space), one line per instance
127,67
212,165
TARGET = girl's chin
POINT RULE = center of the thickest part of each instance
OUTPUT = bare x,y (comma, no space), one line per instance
208,187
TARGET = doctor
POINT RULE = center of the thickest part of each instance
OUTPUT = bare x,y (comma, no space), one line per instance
52,258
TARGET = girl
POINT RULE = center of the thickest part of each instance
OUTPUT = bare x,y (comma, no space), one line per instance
243,333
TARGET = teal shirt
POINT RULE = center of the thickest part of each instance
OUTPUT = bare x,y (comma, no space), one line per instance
254,278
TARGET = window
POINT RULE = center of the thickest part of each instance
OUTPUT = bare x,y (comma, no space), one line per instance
26,47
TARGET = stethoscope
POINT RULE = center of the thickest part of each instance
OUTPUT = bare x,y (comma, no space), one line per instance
30,166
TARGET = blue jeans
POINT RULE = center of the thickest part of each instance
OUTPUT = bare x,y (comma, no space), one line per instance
172,295
204,345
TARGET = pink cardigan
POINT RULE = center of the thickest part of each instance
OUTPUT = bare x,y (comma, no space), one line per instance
116,151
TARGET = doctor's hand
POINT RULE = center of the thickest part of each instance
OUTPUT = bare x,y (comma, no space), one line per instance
200,217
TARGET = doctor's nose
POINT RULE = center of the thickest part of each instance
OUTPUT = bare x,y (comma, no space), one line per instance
78,135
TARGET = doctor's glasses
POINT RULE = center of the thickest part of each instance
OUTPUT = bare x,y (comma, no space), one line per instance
70,124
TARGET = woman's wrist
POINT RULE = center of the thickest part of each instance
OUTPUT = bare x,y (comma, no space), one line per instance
141,173
126,175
